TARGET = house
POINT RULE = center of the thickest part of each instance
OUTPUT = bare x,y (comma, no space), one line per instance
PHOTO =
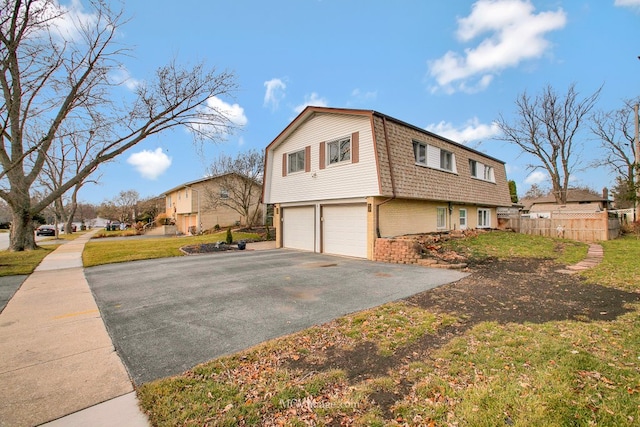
578,201
341,178
202,204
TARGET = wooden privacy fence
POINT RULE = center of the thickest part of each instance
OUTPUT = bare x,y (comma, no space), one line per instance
582,226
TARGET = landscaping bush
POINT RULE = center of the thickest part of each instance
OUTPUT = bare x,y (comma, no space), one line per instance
229,236
163,219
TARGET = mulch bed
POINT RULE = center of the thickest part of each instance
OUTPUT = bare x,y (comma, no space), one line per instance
206,248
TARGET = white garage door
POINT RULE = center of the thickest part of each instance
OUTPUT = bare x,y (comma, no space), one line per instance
298,227
344,229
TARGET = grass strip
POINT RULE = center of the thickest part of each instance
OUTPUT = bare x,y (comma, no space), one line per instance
24,262
106,251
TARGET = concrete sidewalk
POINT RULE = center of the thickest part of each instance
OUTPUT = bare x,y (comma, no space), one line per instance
57,357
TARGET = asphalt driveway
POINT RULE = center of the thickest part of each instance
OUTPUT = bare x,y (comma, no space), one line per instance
168,315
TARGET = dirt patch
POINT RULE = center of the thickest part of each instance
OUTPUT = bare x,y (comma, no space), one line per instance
503,291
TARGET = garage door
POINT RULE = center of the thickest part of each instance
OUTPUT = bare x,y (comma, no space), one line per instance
344,229
298,227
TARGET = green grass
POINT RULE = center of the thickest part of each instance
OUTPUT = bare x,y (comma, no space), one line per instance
504,244
555,374
106,252
16,263
393,325
621,265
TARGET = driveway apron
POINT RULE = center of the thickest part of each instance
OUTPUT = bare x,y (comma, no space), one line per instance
166,316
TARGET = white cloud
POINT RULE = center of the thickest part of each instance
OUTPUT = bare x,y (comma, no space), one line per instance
73,17
121,76
150,164
274,93
472,130
313,99
359,97
515,34
627,3
233,112
536,177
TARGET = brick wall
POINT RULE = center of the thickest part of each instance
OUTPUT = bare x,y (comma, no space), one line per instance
397,251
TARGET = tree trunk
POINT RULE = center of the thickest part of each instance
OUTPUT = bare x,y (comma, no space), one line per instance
22,231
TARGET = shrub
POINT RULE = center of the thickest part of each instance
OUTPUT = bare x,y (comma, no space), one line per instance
163,219
229,236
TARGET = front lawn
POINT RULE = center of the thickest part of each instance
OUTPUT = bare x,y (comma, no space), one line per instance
453,359
107,251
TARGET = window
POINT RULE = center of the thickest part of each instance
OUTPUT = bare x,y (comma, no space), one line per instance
420,151
488,173
169,201
481,171
446,160
473,166
186,193
463,219
295,161
484,218
339,151
441,218
434,157
224,193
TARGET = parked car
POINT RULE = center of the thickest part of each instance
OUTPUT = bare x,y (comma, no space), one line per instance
74,228
46,230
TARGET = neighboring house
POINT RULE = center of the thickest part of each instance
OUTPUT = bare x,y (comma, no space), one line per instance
578,201
202,204
340,178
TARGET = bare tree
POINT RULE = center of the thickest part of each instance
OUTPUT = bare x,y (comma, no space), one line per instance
53,80
616,132
126,203
547,127
535,192
238,185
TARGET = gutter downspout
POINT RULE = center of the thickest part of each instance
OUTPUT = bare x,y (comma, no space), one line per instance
393,184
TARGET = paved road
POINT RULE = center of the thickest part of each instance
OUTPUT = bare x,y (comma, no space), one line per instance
165,316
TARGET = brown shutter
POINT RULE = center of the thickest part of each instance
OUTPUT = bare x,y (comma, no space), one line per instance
284,164
323,160
307,159
355,147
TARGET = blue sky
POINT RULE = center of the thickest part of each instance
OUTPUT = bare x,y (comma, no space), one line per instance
450,67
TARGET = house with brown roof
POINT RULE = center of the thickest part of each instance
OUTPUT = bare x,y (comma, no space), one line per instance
202,204
341,178
578,201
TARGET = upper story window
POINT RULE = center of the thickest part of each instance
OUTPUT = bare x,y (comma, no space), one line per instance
224,193
296,161
339,150
169,201
481,171
446,160
434,157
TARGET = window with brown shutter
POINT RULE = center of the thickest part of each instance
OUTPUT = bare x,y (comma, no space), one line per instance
323,159
355,147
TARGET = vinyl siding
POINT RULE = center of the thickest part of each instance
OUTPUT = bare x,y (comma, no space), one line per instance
344,180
